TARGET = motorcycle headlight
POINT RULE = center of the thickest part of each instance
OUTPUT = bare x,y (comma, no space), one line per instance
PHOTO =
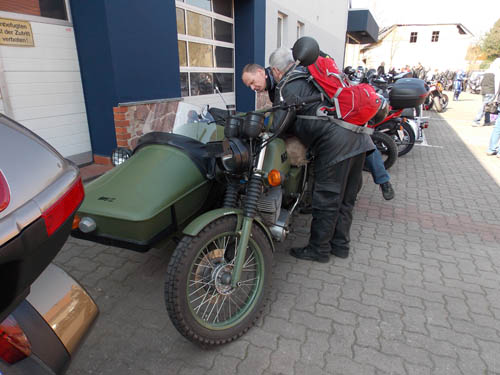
119,155
236,158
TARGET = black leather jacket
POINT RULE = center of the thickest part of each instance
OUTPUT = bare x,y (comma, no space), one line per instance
329,143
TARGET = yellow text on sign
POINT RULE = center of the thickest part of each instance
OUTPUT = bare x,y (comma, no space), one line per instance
15,33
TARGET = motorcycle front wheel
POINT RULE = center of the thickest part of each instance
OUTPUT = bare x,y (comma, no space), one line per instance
387,147
437,104
200,300
444,101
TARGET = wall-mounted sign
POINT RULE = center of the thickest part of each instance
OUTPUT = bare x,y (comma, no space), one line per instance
15,33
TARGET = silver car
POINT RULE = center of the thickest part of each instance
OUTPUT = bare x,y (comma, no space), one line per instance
44,313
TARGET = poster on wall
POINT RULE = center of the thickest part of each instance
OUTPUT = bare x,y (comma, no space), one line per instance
16,33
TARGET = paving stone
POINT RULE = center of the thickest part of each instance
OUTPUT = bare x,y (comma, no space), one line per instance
283,360
256,361
314,348
368,333
341,365
388,363
223,365
311,321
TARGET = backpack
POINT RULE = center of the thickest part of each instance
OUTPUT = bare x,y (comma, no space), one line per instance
353,104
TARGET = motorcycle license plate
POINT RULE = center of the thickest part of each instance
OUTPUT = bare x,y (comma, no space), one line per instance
401,134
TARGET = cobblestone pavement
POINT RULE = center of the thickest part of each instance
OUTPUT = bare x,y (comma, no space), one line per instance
419,293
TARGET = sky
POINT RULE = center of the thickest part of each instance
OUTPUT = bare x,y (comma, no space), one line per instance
478,18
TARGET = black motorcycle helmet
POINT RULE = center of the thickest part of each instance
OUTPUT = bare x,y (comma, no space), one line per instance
383,111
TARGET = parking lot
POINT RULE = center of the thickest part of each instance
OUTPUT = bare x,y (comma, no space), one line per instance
419,293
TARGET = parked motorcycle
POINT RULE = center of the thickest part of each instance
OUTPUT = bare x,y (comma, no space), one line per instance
229,191
397,124
436,99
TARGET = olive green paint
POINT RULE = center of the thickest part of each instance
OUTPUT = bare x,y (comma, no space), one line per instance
203,220
133,201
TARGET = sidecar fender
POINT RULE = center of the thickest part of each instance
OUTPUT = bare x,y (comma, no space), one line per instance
202,221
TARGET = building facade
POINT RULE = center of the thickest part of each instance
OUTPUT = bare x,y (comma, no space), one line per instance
435,46
40,83
102,73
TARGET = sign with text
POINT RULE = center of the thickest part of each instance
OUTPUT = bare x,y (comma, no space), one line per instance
15,33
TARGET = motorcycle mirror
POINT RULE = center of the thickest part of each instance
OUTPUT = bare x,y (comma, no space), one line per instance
305,51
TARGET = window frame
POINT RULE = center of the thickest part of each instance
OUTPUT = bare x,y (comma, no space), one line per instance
40,19
435,37
280,29
300,29
214,43
413,36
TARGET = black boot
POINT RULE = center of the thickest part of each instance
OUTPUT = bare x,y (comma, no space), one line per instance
308,253
387,191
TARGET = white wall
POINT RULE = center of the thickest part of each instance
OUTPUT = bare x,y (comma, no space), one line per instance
44,88
447,53
325,20
212,100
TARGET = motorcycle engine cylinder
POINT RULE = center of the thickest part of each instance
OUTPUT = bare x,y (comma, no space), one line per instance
233,126
253,124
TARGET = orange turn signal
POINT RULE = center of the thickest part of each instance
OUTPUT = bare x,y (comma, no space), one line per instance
274,177
76,221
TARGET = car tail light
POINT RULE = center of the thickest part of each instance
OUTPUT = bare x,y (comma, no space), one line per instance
57,214
4,193
14,345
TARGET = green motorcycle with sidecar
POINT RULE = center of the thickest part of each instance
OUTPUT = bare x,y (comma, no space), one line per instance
224,185
228,188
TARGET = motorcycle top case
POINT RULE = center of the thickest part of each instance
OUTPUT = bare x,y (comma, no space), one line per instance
408,93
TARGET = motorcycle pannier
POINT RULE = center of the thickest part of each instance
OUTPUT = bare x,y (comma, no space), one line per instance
408,93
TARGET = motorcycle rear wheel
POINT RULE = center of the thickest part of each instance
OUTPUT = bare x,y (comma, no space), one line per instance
199,298
387,147
405,145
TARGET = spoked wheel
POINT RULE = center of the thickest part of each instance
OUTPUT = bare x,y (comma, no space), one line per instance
200,300
387,147
406,144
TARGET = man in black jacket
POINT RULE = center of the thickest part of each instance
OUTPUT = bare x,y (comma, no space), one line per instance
339,156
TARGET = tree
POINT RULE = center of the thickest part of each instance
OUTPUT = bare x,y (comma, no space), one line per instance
491,42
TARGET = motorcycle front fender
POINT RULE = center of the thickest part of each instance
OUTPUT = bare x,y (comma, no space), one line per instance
205,219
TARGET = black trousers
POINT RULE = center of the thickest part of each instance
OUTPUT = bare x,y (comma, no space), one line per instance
334,195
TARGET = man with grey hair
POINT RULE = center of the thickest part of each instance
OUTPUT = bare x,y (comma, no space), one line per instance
339,155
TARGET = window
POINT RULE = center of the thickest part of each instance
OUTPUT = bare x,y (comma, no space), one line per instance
413,37
55,9
205,35
280,31
435,36
300,29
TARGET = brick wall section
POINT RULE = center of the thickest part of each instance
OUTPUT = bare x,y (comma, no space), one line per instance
131,122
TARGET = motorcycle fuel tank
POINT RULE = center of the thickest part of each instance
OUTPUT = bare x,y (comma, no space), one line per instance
277,157
145,198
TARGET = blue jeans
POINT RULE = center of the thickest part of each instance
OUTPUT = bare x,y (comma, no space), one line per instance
375,165
495,137
486,99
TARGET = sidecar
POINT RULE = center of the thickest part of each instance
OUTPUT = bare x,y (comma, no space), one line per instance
168,180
